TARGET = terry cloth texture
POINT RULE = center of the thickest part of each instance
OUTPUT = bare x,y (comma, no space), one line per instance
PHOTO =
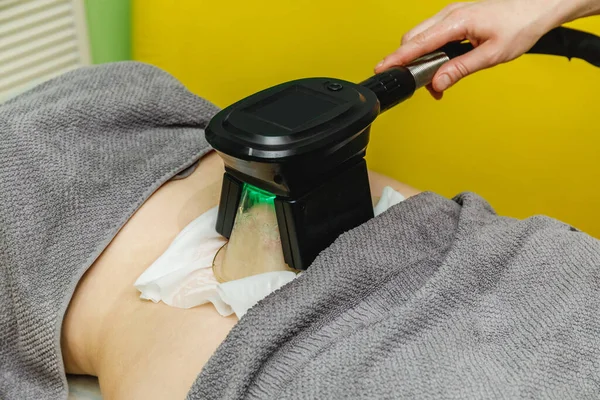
78,156
434,299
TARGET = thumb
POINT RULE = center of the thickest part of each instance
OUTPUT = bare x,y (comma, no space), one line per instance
460,67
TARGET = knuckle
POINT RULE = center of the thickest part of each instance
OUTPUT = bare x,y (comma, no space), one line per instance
461,70
420,38
459,22
459,14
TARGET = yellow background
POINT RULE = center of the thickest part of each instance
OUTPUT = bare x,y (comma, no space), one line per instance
524,135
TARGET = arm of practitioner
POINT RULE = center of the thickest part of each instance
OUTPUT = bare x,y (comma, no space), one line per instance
500,30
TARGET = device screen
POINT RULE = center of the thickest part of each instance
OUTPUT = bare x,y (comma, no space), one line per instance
294,107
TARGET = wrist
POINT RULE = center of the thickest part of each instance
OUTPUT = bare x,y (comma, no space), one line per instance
570,10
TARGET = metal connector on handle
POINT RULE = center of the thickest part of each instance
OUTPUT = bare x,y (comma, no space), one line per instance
423,69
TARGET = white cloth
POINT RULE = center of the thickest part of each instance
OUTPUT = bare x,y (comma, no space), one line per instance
182,276
389,198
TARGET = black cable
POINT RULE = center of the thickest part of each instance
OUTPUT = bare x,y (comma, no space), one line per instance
561,41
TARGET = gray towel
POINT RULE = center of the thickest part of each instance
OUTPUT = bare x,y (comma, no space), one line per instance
434,299
78,156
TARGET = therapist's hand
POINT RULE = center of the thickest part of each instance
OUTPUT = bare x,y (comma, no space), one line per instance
500,30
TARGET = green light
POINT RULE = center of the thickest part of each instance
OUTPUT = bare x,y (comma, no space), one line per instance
253,196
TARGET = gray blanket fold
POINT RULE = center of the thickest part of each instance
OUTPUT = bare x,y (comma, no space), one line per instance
434,299
78,156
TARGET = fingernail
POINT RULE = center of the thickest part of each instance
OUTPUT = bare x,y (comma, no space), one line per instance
380,64
444,82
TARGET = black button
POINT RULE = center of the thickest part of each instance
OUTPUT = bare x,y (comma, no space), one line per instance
334,87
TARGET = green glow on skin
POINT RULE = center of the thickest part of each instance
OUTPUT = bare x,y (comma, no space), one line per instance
254,196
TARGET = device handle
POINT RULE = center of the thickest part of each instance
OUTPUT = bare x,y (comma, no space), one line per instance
398,84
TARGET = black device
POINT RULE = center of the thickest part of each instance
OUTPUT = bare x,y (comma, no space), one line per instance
305,141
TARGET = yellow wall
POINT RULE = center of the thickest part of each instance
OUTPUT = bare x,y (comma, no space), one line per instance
525,135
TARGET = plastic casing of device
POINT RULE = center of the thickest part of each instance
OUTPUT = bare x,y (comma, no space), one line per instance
305,142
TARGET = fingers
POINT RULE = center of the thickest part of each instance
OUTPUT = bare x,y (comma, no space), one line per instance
434,37
422,27
480,58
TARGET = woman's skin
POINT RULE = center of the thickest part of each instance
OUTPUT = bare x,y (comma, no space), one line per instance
139,349
500,30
